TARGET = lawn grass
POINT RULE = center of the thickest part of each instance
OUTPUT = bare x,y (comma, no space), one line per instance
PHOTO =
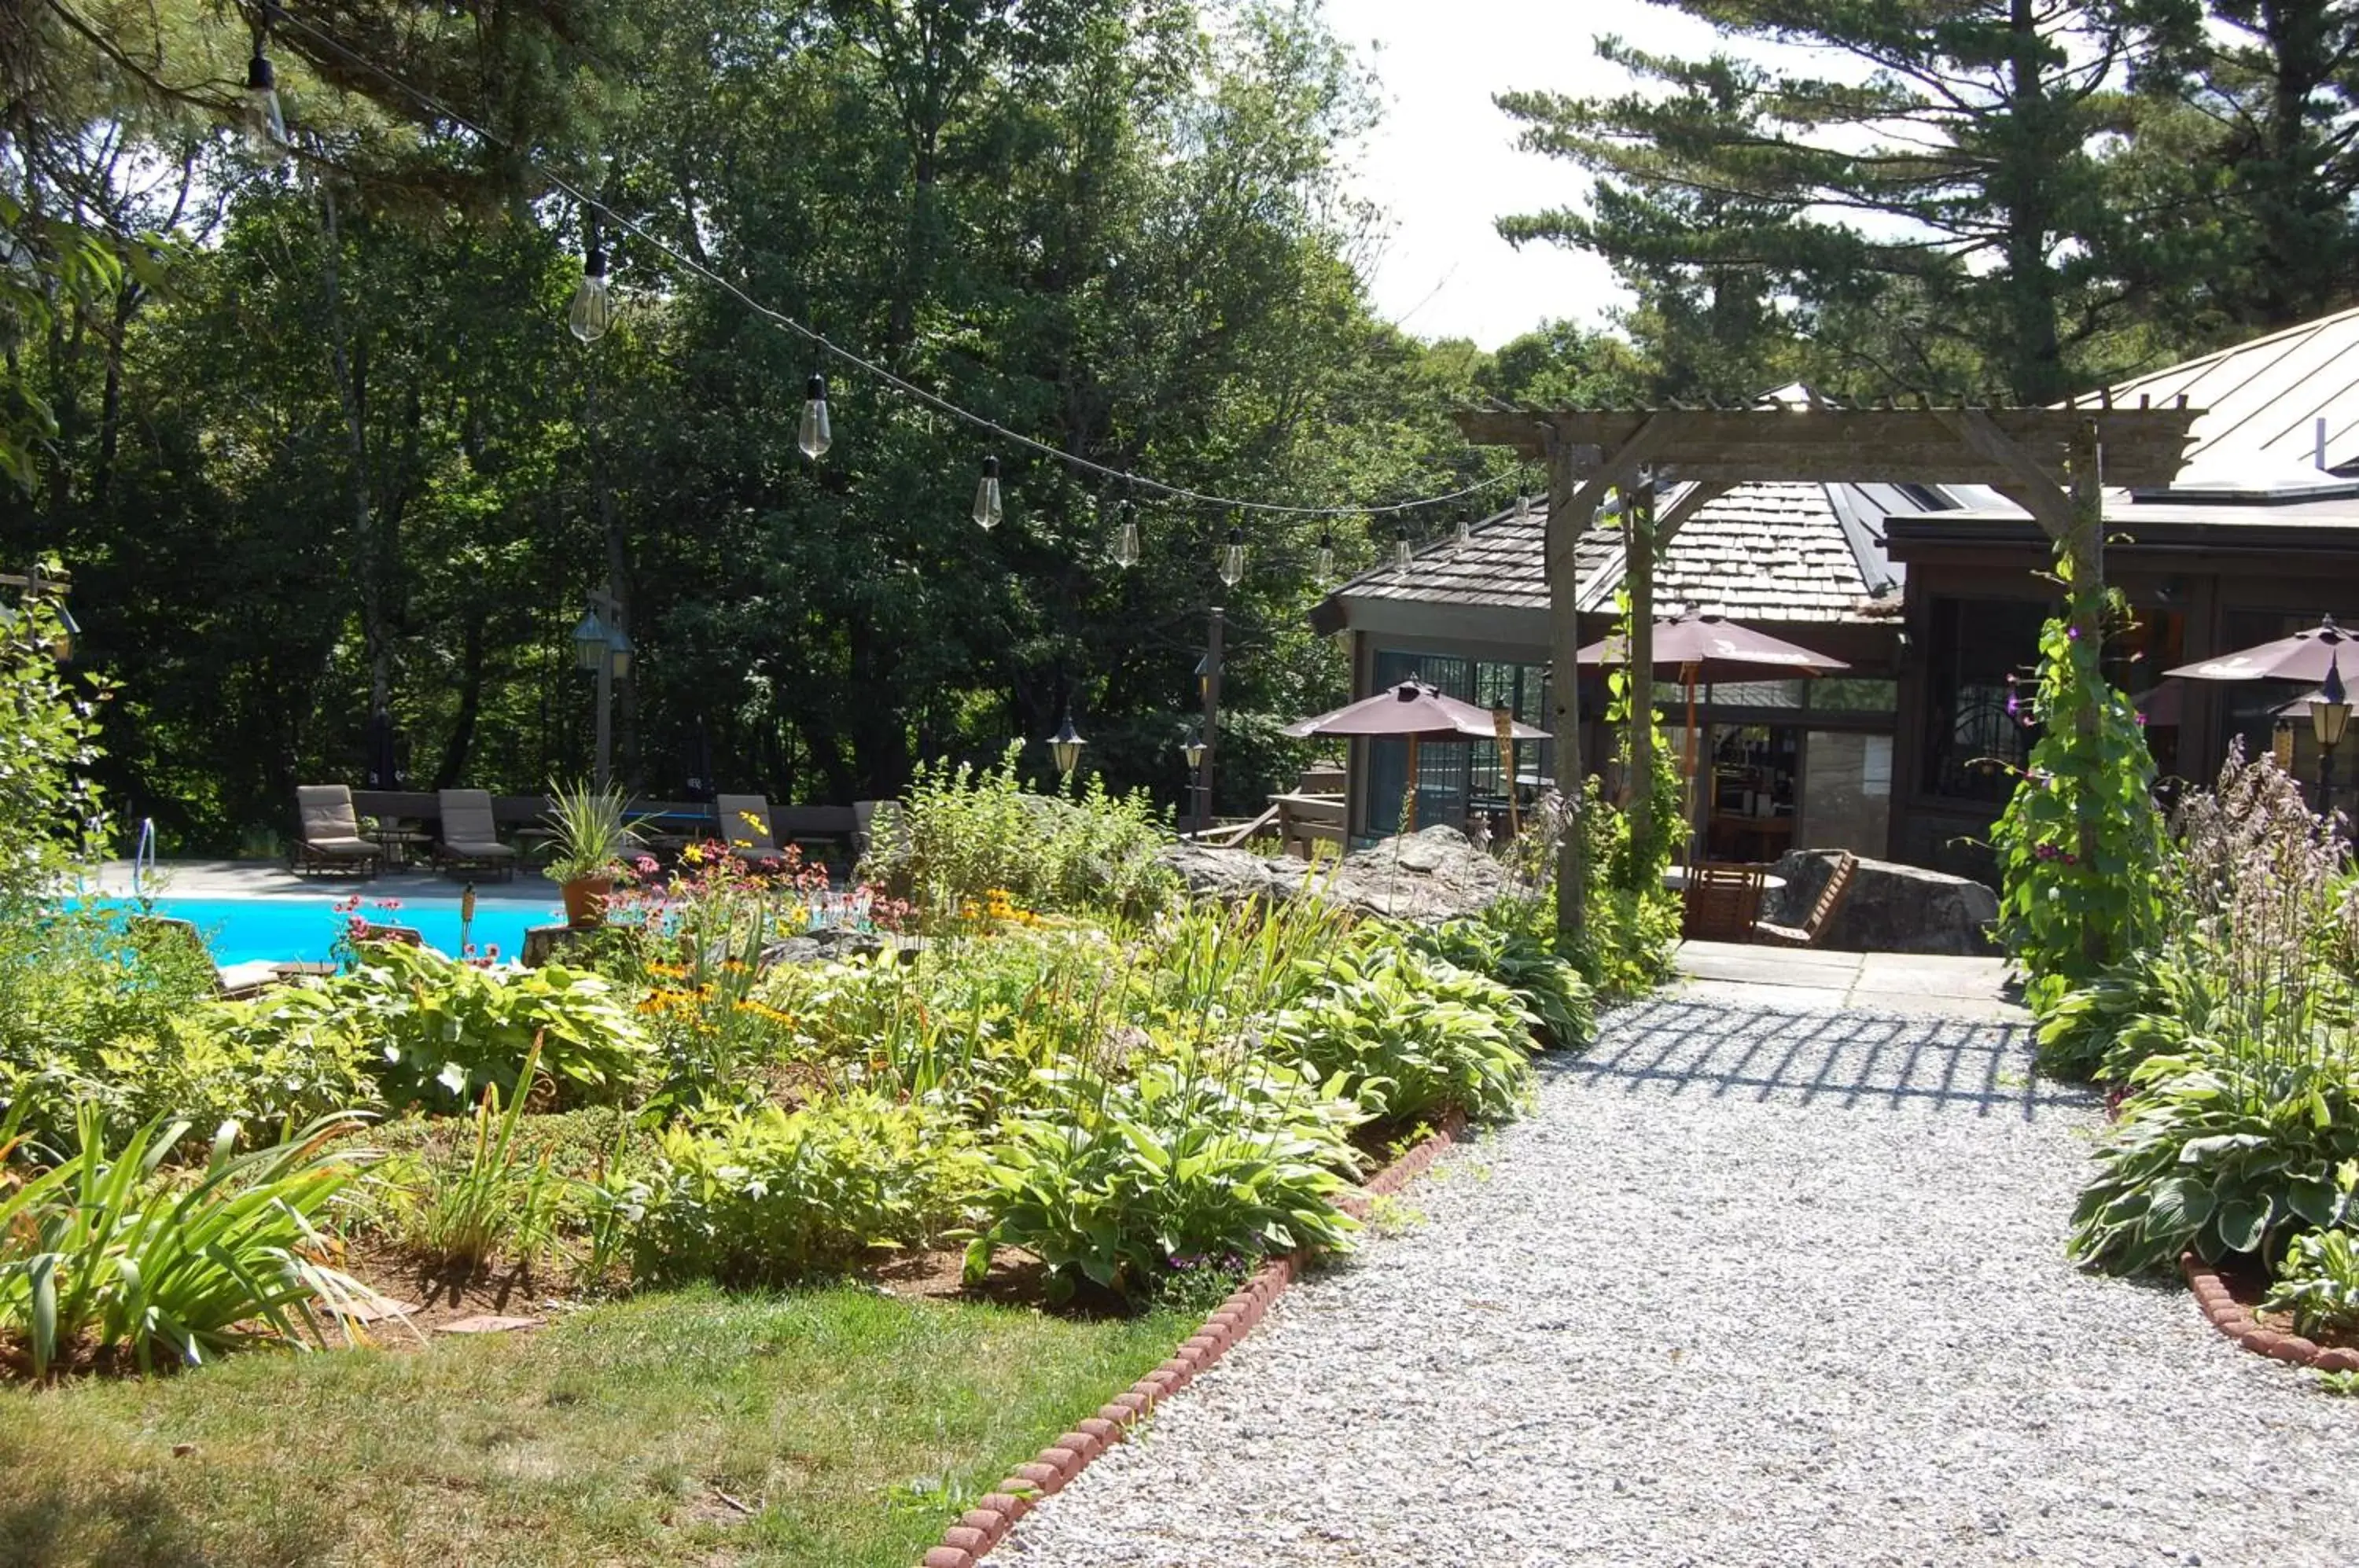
855,1425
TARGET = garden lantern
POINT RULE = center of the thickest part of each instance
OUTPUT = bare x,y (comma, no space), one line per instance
2330,710
1192,751
1065,746
592,642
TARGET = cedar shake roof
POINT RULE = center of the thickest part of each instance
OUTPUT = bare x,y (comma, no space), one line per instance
1761,552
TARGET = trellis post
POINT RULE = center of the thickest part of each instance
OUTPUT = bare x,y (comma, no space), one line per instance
1563,533
2084,556
1638,577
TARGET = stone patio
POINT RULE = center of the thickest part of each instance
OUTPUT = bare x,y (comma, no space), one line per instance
1816,980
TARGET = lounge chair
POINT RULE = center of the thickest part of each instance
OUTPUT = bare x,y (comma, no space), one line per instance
470,842
1823,911
1721,902
745,827
234,983
328,836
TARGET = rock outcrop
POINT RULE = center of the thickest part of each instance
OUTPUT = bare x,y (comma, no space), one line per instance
1890,907
1430,875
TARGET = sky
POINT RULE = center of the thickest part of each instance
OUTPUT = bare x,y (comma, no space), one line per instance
1444,164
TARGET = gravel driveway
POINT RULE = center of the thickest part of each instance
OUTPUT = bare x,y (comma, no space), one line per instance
1746,1288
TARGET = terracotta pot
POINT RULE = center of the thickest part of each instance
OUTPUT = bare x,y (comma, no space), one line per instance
585,901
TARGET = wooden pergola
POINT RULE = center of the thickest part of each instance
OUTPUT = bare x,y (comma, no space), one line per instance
2053,462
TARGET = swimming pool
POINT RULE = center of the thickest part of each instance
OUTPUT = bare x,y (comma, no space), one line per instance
287,926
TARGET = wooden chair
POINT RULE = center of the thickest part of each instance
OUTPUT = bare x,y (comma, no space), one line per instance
1721,902
1822,912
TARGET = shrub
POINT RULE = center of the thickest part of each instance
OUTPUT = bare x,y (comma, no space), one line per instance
1408,1035
2226,1148
102,1255
1113,1182
961,834
2319,1281
439,1029
766,1195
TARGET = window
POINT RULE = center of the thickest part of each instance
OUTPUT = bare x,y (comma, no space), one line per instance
1454,777
1971,739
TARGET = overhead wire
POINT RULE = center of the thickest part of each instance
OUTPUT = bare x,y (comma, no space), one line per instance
282,16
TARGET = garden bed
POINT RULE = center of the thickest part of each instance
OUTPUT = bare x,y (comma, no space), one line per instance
2231,1299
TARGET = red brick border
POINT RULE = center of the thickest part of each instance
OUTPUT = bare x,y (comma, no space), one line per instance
2234,1318
986,1524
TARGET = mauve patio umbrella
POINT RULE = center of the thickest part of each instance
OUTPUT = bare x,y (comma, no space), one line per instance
2305,657
1412,713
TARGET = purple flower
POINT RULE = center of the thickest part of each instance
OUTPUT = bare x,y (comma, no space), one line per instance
2072,632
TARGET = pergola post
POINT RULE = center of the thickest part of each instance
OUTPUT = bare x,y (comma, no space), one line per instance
2084,556
1638,578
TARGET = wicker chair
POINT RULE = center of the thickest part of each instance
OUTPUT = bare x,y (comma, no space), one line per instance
1823,911
1721,902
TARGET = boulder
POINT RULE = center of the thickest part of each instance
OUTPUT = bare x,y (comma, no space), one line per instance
1890,907
1430,875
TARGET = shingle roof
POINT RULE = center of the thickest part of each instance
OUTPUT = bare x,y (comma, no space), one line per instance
2262,399
1766,552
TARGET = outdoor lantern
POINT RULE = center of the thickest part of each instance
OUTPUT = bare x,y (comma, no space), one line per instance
1065,745
592,641
62,641
618,648
1192,750
2329,709
1204,678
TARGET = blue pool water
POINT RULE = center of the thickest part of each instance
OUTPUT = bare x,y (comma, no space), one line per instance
282,927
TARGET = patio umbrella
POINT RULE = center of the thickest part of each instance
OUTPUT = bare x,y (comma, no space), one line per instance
382,747
2306,657
1698,643
1412,713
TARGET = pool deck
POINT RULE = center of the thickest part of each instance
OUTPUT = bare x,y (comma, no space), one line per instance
256,878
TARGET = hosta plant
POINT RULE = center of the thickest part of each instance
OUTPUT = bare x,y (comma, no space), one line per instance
1113,1180
1408,1035
2319,1281
1511,953
766,1195
104,1255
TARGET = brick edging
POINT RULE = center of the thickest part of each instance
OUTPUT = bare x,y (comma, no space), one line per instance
986,1524
2236,1320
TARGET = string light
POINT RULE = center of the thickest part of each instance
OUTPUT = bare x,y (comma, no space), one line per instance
987,510
779,318
591,314
1125,537
1400,550
815,436
1232,557
263,123
1465,530
1326,557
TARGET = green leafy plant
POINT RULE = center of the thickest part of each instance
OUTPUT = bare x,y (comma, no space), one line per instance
592,834
2318,1281
439,1029
105,1254
765,1195
1406,1034
2080,844
1110,1181
1502,945
496,1204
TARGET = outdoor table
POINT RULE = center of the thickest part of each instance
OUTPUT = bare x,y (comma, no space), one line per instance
397,842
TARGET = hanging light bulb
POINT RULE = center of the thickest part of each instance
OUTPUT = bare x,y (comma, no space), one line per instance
263,125
1326,555
591,314
1232,557
1465,531
1400,550
987,511
815,436
1126,537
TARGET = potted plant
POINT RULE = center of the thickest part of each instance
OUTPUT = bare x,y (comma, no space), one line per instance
590,839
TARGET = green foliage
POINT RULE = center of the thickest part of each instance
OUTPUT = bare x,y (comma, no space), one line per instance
961,832
439,1029
763,1197
2227,1149
2071,905
496,1204
51,817
2318,1281
1408,1035
1504,945
1115,1181
591,836
104,1255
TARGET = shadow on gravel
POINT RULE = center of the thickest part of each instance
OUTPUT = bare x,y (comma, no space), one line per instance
1856,1061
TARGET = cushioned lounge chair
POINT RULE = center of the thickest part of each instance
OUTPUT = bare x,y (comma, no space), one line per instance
470,842
328,836
234,982
745,827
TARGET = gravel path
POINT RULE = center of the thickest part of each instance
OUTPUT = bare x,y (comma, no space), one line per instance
1746,1288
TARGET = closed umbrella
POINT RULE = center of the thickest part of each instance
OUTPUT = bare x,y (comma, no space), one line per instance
1412,713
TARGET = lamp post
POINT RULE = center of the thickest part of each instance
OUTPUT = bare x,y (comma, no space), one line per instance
601,646
1065,746
1208,683
2329,712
